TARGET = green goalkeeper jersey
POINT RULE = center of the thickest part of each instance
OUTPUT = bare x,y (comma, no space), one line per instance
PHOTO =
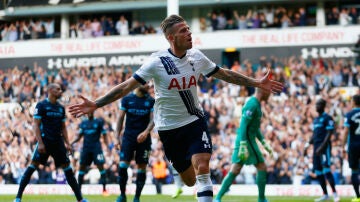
248,131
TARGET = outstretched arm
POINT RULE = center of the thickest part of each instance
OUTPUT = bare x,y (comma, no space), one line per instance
117,92
240,79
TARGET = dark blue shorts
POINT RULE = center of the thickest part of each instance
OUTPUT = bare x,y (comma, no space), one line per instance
88,156
181,143
322,161
131,147
354,156
56,149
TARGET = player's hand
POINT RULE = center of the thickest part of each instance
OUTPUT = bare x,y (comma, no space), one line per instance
118,144
268,84
41,148
306,147
268,148
86,107
243,151
319,151
142,137
69,148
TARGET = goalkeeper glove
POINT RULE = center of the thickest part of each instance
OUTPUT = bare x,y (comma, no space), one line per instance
243,151
267,148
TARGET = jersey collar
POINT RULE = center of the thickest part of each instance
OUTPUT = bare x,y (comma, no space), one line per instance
175,55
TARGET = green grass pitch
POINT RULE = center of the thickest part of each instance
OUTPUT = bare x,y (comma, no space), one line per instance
156,198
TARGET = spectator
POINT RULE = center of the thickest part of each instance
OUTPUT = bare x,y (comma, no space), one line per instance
159,170
122,26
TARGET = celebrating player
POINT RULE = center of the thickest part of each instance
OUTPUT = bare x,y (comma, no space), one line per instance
178,115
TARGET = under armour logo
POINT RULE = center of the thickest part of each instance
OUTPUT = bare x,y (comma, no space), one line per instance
207,146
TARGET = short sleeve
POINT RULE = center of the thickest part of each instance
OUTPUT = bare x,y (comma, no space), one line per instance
124,106
38,112
145,72
330,124
347,121
207,67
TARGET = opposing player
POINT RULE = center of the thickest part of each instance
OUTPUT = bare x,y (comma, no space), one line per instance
135,140
246,150
351,137
51,134
178,116
92,129
323,128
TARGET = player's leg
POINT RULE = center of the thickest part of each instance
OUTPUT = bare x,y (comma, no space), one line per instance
327,172
140,180
126,155
142,158
317,162
355,182
25,179
261,181
353,158
189,148
178,182
203,182
59,154
37,158
85,161
103,178
82,172
201,150
228,180
99,161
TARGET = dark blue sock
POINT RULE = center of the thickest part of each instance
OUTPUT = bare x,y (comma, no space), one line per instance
322,182
70,178
140,182
355,182
123,177
81,178
25,180
103,179
330,179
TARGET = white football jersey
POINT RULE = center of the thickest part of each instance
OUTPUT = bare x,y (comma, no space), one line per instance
175,83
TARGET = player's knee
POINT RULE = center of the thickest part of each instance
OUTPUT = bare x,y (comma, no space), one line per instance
261,166
203,167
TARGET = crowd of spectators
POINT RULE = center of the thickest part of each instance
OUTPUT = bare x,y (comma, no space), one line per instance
287,121
225,19
279,17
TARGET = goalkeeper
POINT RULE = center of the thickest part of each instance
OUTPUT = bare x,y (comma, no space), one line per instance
246,150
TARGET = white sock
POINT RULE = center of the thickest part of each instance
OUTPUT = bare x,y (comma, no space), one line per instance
204,188
177,179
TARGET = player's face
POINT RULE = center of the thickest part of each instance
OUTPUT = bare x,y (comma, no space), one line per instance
56,91
319,107
182,36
